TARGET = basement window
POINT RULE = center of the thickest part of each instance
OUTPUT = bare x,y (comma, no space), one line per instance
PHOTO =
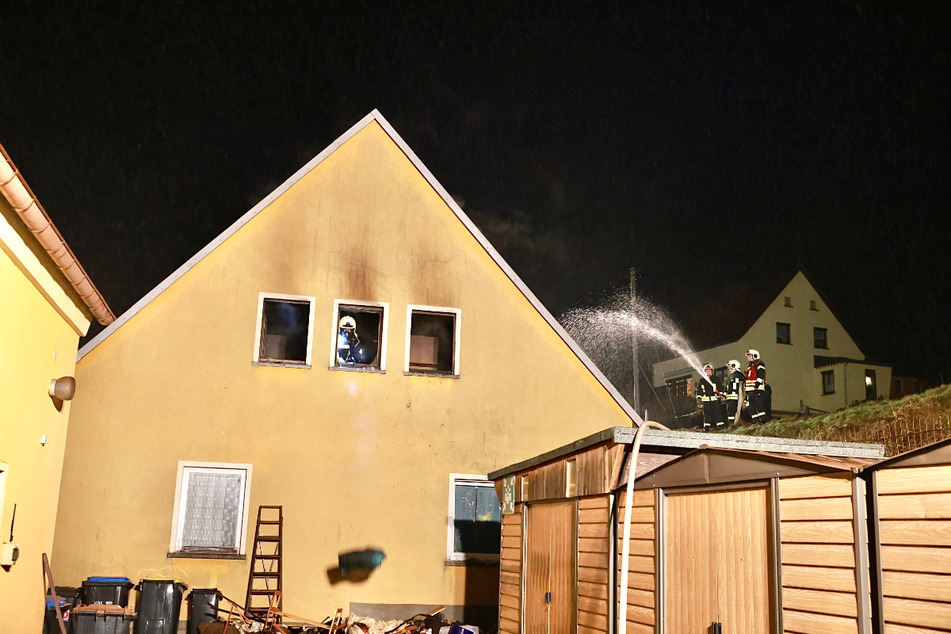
783,333
475,520
285,329
828,382
210,517
359,340
820,338
432,341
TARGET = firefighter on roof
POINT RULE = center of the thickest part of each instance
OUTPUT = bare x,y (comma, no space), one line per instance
756,387
734,381
708,397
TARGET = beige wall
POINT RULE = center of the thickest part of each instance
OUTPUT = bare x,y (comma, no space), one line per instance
36,345
790,369
357,459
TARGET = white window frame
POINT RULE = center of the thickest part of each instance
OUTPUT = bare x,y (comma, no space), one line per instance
456,338
384,327
451,555
260,318
178,512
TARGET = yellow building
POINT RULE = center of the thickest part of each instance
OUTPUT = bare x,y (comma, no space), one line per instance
48,303
243,366
811,361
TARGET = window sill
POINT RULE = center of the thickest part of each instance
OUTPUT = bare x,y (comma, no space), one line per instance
434,375
473,562
784,343
283,364
204,554
364,369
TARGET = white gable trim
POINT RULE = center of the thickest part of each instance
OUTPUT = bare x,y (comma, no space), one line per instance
439,189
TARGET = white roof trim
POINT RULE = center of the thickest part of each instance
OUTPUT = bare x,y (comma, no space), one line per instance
460,214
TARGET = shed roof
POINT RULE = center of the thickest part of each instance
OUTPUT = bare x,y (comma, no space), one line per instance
716,465
679,442
934,454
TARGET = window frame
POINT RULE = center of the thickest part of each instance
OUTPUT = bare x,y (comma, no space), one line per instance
384,326
175,547
262,296
458,558
788,326
831,374
825,337
456,339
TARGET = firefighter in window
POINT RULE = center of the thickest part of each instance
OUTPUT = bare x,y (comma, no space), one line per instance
756,389
734,382
349,349
708,397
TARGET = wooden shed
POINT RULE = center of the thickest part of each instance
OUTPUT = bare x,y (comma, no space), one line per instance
910,539
753,511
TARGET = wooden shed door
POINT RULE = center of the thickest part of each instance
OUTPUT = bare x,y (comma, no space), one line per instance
549,552
717,551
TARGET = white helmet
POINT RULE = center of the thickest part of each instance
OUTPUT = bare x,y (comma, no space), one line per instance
707,366
755,353
733,365
348,322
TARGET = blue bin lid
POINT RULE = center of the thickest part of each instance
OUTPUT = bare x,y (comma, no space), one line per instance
49,602
108,580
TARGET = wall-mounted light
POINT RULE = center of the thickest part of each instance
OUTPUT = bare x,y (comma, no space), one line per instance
63,388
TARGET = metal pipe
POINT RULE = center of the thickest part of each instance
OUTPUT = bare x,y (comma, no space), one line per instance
31,212
628,503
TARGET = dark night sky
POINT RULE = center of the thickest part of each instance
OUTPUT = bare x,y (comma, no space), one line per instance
708,145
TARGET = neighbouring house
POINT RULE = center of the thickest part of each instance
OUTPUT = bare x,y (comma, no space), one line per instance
812,363
732,522
352,349
903,386
48,304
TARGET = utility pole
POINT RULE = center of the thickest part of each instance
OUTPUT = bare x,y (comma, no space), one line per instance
636,404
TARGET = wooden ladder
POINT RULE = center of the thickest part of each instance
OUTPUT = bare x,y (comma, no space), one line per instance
264,578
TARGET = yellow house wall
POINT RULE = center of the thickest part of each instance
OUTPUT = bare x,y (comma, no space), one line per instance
790,369
356,459
36,345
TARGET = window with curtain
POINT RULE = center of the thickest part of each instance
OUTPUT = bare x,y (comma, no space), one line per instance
211,508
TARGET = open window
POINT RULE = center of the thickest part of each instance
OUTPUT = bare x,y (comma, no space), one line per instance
285,330
210,517
432,341
359,338
475,519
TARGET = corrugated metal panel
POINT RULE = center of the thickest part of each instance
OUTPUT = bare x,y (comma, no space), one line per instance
550,547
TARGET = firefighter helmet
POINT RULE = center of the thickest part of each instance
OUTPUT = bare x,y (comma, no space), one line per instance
707,366
733,365
348,322
755,353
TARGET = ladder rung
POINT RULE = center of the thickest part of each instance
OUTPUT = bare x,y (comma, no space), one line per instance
267,538
258,556
266,575
270,522
261,593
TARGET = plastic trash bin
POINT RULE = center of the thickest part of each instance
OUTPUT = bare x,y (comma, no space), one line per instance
68,599
160,603
100,619
106,590
202,607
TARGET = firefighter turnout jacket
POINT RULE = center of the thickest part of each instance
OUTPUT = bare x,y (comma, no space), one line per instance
756,376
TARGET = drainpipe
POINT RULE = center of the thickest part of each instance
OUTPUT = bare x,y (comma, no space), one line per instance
31,212
628,503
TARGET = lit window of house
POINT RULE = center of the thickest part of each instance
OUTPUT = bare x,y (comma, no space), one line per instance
210,517
782,333
475,518
828,382
285,329
820,338
432,341
359,337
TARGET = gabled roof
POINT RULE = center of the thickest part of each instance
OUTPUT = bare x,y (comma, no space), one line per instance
933,454
378,118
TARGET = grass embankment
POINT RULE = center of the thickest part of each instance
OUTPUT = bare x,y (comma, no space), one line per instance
912,422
